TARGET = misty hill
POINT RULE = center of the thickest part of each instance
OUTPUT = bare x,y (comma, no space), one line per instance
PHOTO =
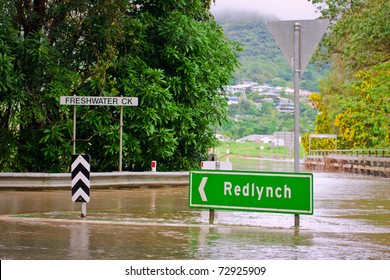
261,60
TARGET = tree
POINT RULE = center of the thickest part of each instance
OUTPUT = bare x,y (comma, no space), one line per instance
353,98
170,54
364,27
365,120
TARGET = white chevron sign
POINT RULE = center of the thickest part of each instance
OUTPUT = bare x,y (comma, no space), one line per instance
80,196
201,189
80,170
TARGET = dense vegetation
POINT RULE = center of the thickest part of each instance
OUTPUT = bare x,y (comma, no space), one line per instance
175,58
354,101
170,54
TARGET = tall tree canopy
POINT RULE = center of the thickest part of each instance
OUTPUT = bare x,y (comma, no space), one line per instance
169,53
354,100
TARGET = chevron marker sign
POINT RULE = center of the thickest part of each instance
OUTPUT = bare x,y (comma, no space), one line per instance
80,170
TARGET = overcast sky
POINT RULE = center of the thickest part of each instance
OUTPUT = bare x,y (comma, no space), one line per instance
283,9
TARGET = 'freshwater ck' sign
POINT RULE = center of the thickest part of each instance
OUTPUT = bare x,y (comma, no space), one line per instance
280,192
99,101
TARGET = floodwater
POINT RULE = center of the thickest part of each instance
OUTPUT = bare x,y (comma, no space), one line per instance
351,221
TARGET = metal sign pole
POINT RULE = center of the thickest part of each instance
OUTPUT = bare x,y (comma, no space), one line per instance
298,46
297,78
74,130
120,137
212,211
98,101
83,204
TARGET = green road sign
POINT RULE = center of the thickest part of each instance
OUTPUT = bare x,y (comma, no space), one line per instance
280,192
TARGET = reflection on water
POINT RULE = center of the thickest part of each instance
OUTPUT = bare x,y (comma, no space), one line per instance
79,242
282,165
351,221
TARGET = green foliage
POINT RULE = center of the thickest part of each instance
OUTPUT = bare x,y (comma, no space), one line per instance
170,54
364,27
353,101
251,149
365,121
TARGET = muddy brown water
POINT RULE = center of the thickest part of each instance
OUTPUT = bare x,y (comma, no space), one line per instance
351,221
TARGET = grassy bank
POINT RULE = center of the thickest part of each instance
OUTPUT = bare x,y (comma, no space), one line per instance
253,149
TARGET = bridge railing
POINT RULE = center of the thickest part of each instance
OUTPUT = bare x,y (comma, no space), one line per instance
362,153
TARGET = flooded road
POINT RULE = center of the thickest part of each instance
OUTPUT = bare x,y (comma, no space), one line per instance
351,221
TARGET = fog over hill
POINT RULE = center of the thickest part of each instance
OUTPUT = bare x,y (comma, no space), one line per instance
279,9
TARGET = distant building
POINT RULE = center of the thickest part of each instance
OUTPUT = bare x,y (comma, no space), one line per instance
285,101
270,94
284,139
267,139
233,100
237,89
285,109
256,138
267,100
278,142
305,93
285,105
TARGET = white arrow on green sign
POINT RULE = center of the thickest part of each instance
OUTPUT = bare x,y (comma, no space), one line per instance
276,192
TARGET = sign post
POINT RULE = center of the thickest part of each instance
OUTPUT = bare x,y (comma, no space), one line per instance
80,167
74,130
120,137
297,81
99,101
215,165
281,192
297,41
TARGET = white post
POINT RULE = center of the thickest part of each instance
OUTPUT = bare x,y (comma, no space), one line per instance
227,153
83,209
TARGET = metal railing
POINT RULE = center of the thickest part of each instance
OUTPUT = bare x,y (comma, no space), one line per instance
357,153
43,181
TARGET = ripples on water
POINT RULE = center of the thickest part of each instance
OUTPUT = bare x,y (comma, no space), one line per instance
351,221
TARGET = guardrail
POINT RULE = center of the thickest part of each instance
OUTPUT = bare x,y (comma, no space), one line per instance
106,180
369,162
362,153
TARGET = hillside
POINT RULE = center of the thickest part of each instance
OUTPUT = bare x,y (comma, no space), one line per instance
261,60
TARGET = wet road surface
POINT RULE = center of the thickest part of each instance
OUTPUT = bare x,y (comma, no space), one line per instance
351,221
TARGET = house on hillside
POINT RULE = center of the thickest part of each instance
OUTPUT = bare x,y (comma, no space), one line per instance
237,89
285,105
233,100
267,100
285,101
285,109
288,90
